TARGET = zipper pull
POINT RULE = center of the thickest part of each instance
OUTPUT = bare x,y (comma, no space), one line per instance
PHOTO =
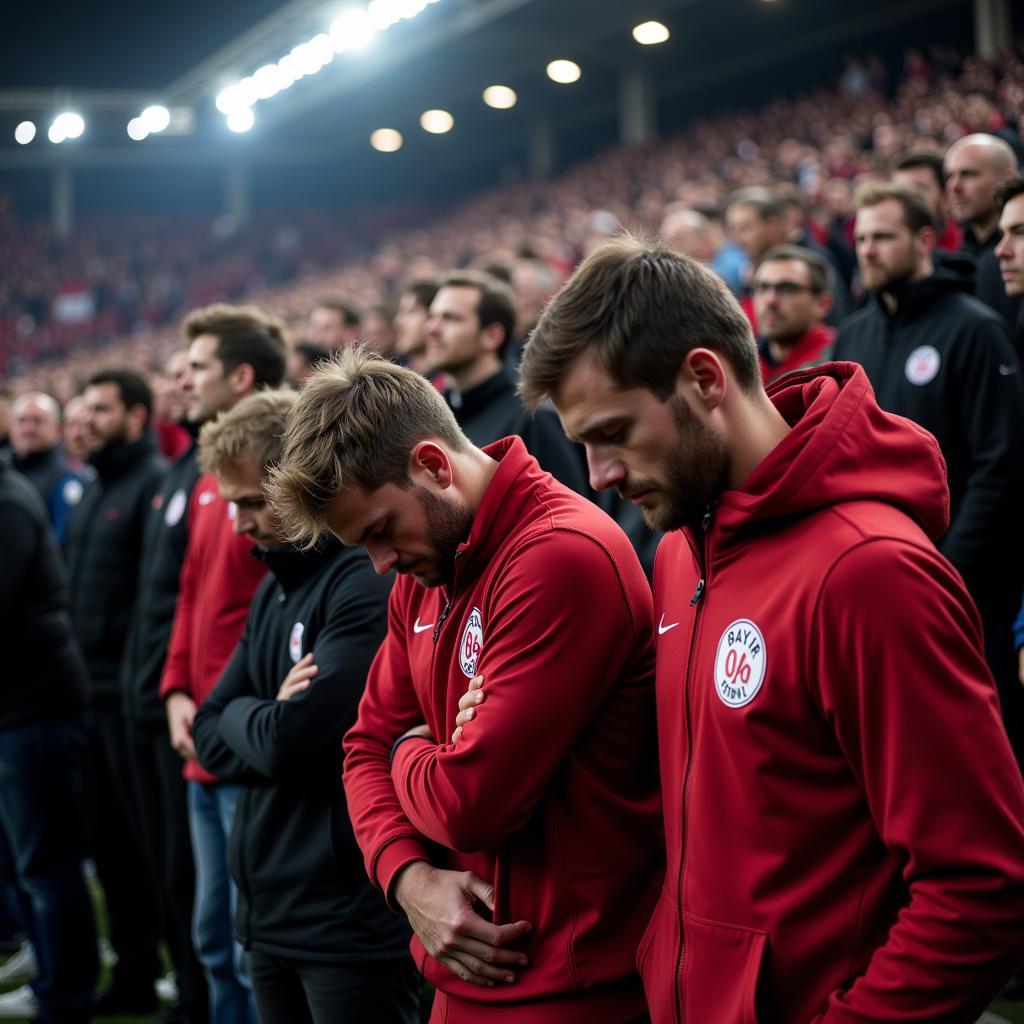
440,620
699,592
705,523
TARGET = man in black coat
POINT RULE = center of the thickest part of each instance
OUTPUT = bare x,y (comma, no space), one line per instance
323,945
937,355
44,738
104,551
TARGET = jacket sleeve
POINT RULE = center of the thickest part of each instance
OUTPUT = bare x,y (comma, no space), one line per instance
546,441
900,676
549,661
235,684
23,539
277,737
388,708
177,675
990,405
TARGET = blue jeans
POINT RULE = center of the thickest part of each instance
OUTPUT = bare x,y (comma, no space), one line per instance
211,812
41,772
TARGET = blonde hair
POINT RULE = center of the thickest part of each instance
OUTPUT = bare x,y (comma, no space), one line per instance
252,429
355,423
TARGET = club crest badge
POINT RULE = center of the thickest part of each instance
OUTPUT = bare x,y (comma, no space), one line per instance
471,643
923,364
295,642
175,508
740,663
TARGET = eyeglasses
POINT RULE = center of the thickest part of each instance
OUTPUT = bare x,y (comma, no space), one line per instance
781,287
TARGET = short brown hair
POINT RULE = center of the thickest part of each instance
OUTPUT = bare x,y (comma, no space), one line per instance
245,335
917,213
1007,189
818,270
355,423
640,308
925,158
497,303
252,429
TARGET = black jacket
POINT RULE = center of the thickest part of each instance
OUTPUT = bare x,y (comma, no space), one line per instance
165,537
989,285
946,361
44,674
104,549
302,889
59,485
492,410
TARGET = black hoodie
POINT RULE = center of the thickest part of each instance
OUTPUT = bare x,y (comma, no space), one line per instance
104,549
946,361
302,889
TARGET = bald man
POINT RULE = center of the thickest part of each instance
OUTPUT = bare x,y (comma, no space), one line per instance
975,165
35,443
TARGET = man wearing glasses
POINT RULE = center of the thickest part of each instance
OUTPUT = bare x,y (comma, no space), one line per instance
792,298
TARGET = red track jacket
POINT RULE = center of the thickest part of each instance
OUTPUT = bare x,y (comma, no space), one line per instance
218,580
843,814
551,794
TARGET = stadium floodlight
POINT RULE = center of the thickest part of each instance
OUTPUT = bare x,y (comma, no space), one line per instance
137,131
437,122
66,125
155,119
241,119
651,33
500,97
267,81
354,29
386,140
564,72
24,133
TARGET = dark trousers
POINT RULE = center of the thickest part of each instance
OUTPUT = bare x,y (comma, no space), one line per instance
122,862
41,774
288,991
162,807
1002,662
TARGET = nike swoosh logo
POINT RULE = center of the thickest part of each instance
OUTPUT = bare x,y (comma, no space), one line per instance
417,628
1007,370
662,628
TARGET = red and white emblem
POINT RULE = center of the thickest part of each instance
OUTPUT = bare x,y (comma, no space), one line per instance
923,364
740,663
295,642
472,642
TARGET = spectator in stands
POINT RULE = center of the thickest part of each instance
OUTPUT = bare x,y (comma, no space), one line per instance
303,358
471,322
411,324
937,355
470,837
324,945
825,715
234,351
37,453
1010,250
334,324
76,435
975,165
104,554
378,329
534,281
44,743
924,170
6,399
172,434
791,300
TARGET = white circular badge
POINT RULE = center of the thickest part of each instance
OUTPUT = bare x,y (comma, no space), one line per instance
740,663
295,642
175,508
72,492
923,364
471,643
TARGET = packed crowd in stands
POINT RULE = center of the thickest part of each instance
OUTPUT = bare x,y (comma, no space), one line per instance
861,216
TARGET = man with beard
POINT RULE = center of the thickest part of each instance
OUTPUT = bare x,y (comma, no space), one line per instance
526,851
791,299
844,819
937,355
104,553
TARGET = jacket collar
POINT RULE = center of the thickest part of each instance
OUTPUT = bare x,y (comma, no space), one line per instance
26,463
292,566
121,457
468,403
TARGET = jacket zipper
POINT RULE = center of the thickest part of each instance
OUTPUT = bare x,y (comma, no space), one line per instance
446,611
696,602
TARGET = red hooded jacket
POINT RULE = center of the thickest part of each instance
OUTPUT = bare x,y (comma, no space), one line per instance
843,814
552,793
218,580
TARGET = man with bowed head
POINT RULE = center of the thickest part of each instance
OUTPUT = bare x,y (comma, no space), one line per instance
843,816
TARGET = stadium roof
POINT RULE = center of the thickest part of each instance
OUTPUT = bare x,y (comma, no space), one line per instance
108,60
